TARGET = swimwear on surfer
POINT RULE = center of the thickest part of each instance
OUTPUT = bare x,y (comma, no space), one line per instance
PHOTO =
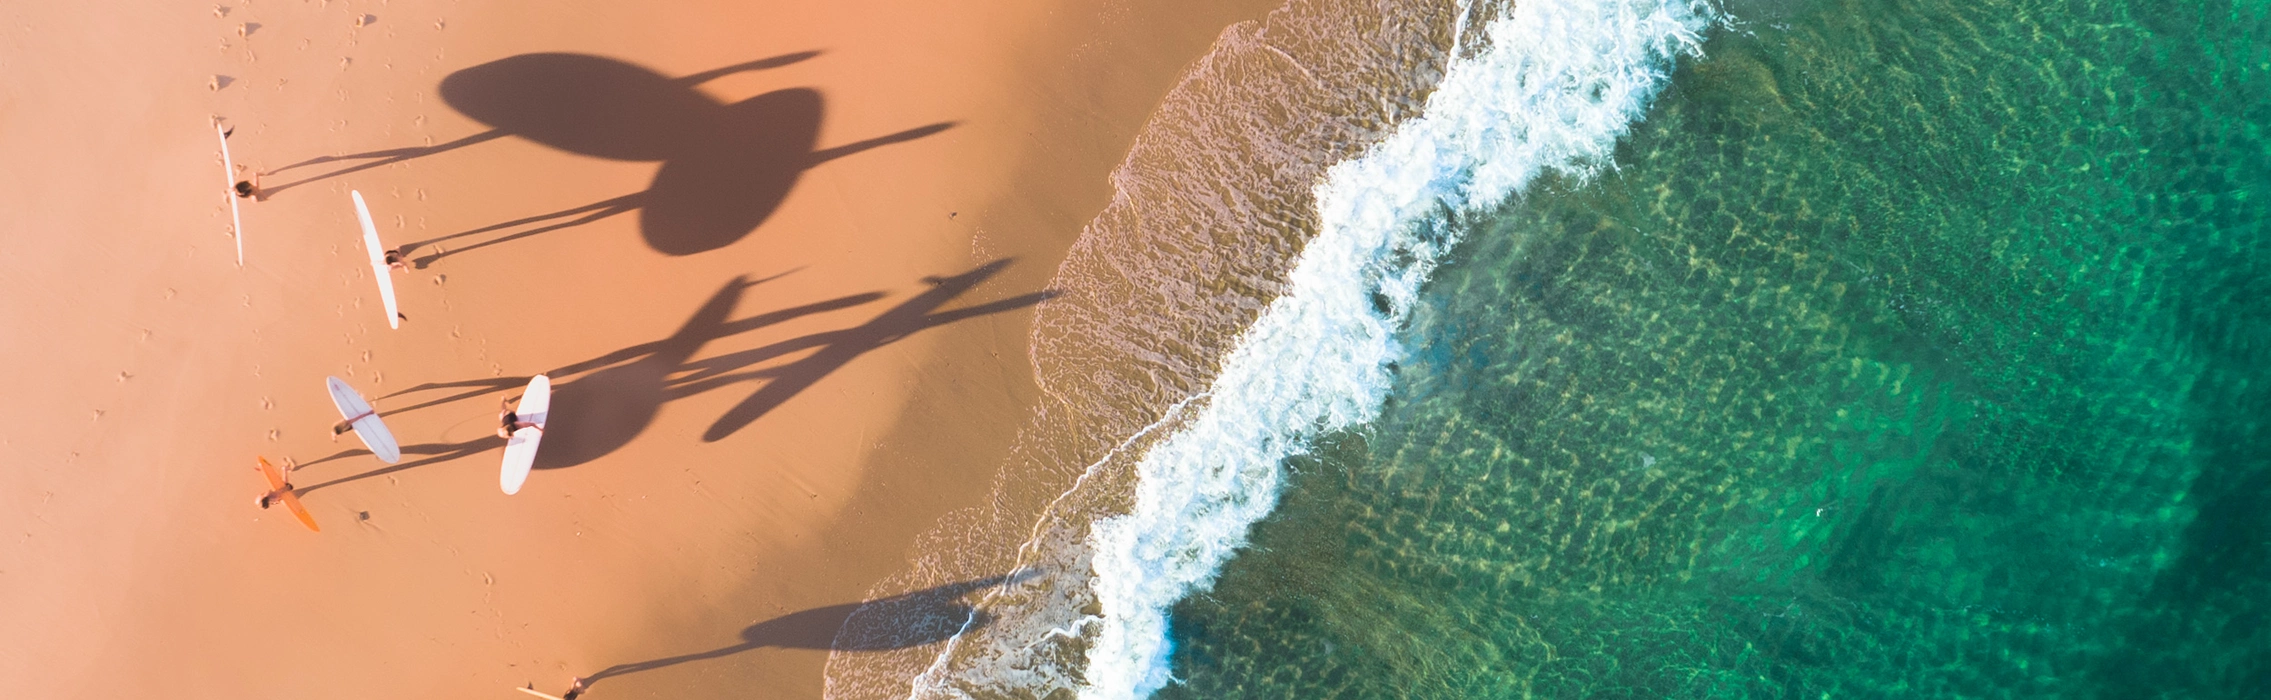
509,422
248,189
277,494
342,427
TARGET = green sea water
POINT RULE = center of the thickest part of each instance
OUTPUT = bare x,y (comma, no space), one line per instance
1911,349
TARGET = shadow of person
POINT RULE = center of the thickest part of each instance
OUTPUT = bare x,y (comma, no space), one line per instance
439,452
470,388
839,348
391,156
599,412
913,619
725,167
601,404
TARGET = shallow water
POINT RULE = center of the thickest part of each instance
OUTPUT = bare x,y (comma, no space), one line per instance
1908,349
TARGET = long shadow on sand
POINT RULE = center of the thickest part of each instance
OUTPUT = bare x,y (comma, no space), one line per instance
437,452
601,404
725,168
898,622
390,156
839,348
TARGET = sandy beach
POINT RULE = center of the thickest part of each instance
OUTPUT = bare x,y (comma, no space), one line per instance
778,260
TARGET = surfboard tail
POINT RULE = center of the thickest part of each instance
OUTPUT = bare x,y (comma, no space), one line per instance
292,501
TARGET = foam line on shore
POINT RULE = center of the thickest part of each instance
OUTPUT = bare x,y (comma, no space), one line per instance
1557,83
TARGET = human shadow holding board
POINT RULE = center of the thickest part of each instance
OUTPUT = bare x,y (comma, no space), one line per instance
724,167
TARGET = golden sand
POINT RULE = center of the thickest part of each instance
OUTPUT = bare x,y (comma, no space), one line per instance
777,258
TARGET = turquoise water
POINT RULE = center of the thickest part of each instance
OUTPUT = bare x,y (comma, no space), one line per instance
1910,349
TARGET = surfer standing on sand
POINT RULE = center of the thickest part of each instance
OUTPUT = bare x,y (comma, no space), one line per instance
574,689
341,427
277,494
509,422
246,189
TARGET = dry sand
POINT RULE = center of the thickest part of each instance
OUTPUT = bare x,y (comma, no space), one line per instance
746,436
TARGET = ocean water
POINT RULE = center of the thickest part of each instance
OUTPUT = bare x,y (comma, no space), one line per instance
1909,349
1634,348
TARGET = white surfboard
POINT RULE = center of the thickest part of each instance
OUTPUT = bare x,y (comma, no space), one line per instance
378,260
229,185
520,453
366,421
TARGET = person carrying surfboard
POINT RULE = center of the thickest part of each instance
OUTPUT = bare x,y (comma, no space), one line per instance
575,688
341,427
383,260
362,419
245,189
509,422
276,495
280,491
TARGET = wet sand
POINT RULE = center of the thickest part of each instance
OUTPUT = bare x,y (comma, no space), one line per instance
777,260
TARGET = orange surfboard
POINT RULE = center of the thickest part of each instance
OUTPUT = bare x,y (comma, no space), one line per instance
291,500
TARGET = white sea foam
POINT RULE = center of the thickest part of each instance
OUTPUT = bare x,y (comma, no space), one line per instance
1210,208
1558,82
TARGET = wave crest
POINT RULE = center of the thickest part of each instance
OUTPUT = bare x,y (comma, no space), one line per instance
1555,87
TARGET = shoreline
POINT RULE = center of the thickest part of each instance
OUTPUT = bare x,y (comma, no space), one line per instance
646,546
